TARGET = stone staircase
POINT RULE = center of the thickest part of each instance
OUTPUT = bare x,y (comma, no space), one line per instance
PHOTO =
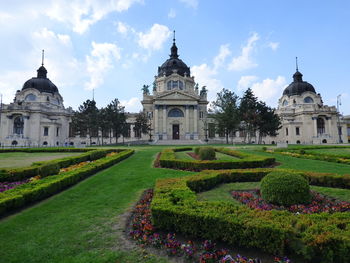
177,142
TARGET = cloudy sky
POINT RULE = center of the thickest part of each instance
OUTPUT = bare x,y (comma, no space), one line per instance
115,46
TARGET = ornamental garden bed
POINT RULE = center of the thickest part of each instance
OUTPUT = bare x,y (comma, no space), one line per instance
168,159
336,154
23,186
317,237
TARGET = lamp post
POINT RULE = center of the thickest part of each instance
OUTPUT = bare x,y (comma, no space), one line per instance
150,128
338,118
206,130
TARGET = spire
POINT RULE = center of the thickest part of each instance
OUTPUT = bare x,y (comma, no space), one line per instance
42,70
42,58
174,49
297,77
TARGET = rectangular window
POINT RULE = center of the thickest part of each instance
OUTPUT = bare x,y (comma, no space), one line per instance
46,131
340,132
57,131
286,131
211,130
201,114
297,131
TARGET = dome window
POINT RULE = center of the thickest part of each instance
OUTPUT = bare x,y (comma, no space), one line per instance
175,84
308,100
285,103
175,113
30,97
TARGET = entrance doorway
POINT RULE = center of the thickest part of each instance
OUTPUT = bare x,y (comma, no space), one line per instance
176,131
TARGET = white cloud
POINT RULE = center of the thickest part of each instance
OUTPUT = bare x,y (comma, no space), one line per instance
219,60
81,14
99,62
10,81
191,3
274,45
205,76
172,13
154,38
122,28
131,105
244,61
245,82
268,90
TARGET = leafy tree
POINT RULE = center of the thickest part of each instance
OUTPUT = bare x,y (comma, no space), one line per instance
141,124
269,122
116,117
226,112
249,114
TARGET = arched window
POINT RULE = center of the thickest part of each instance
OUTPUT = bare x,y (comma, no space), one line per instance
324,141
14,143
320,126
45,143
285,103
308,100
18,125
30,97
175,113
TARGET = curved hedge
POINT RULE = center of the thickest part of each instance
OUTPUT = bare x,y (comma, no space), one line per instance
317,237
168,159
39,189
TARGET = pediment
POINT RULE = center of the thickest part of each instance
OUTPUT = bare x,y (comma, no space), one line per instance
177,95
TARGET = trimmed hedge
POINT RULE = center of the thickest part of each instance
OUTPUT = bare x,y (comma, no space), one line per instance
46,168
168,160
50,149
37,190
317,237
206,153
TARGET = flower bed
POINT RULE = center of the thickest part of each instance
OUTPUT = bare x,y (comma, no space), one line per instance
168,159
144,232
323,237
319,203
4,186
36,189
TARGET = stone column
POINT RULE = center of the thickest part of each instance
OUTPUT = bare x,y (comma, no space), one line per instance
315,125
164,122
187,121
156,120
329,120
195,121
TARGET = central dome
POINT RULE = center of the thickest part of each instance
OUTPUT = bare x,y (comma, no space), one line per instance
298,86
173,64
41,82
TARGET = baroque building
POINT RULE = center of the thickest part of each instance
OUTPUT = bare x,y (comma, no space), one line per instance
177,108
37,116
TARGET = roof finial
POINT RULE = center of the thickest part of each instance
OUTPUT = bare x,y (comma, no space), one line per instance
174,37
296,63
42,58
93,94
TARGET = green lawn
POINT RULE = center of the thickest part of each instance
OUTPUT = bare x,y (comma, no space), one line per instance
218,156
334,151
81,223
222,192
22,159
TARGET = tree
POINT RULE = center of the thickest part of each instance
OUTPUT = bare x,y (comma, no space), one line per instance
249,114
116,117
86,119
141,124
226,112
269,122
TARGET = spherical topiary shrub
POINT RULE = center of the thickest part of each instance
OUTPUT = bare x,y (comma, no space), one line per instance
285,189
206,153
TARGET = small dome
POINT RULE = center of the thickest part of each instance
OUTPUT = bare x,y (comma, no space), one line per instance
174,64
41,82
298,86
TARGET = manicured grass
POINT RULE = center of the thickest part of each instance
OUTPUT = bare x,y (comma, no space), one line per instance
305,164
224,157
334,151
79,224
183,155
22,159
219,156
222,192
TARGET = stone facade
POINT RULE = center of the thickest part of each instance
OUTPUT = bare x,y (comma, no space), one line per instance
37,116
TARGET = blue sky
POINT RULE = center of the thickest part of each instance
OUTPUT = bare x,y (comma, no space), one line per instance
116,46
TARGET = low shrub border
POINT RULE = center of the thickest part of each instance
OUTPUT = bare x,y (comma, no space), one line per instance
46,168
318,237
40,189
168,160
